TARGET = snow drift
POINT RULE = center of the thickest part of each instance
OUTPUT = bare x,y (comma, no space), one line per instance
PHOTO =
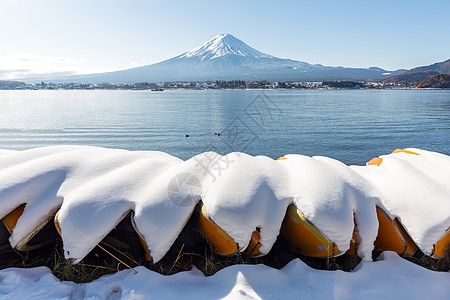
389,278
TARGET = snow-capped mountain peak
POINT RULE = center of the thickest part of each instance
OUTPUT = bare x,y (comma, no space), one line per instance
221,45
226,57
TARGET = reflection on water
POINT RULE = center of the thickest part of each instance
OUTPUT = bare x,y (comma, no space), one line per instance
352,126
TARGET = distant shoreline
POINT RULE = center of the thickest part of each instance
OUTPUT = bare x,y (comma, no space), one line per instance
214,85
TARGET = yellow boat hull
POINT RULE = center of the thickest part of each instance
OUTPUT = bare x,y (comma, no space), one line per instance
392,236
305,238
222,242
442,247
10,221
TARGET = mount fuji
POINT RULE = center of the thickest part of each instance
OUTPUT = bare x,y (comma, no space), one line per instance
226,57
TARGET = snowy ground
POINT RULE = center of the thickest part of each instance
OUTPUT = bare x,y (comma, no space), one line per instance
390,278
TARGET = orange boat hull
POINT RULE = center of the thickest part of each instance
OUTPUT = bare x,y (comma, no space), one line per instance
392,236
223,243
306,239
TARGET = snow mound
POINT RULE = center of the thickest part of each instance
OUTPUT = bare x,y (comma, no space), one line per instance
390,278
92,189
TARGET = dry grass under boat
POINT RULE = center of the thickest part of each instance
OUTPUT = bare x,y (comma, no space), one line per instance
121,249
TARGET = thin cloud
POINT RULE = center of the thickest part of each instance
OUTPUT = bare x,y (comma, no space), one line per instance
26,65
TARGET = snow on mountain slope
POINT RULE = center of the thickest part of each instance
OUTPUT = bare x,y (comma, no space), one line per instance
221,45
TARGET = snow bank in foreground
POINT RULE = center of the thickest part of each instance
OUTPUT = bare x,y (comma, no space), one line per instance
91,189
391,278
3,151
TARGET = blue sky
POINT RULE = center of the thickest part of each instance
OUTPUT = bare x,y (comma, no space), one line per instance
91,36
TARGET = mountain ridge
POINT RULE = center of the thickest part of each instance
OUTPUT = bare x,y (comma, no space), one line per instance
418,74
226,57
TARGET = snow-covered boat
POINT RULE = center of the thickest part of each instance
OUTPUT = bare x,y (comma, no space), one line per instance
412,182
223,243
321,207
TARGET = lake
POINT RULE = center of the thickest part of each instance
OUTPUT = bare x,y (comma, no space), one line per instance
350,125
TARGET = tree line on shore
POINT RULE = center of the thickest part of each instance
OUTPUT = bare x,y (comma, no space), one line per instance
217,84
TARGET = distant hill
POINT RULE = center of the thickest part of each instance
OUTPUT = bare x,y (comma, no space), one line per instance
440,67
416,75
411,78
440,81
226,57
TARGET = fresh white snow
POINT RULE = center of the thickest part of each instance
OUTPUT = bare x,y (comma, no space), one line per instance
390,278
221,45
92,189
415,188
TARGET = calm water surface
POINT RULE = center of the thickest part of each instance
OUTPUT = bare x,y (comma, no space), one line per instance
352,126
